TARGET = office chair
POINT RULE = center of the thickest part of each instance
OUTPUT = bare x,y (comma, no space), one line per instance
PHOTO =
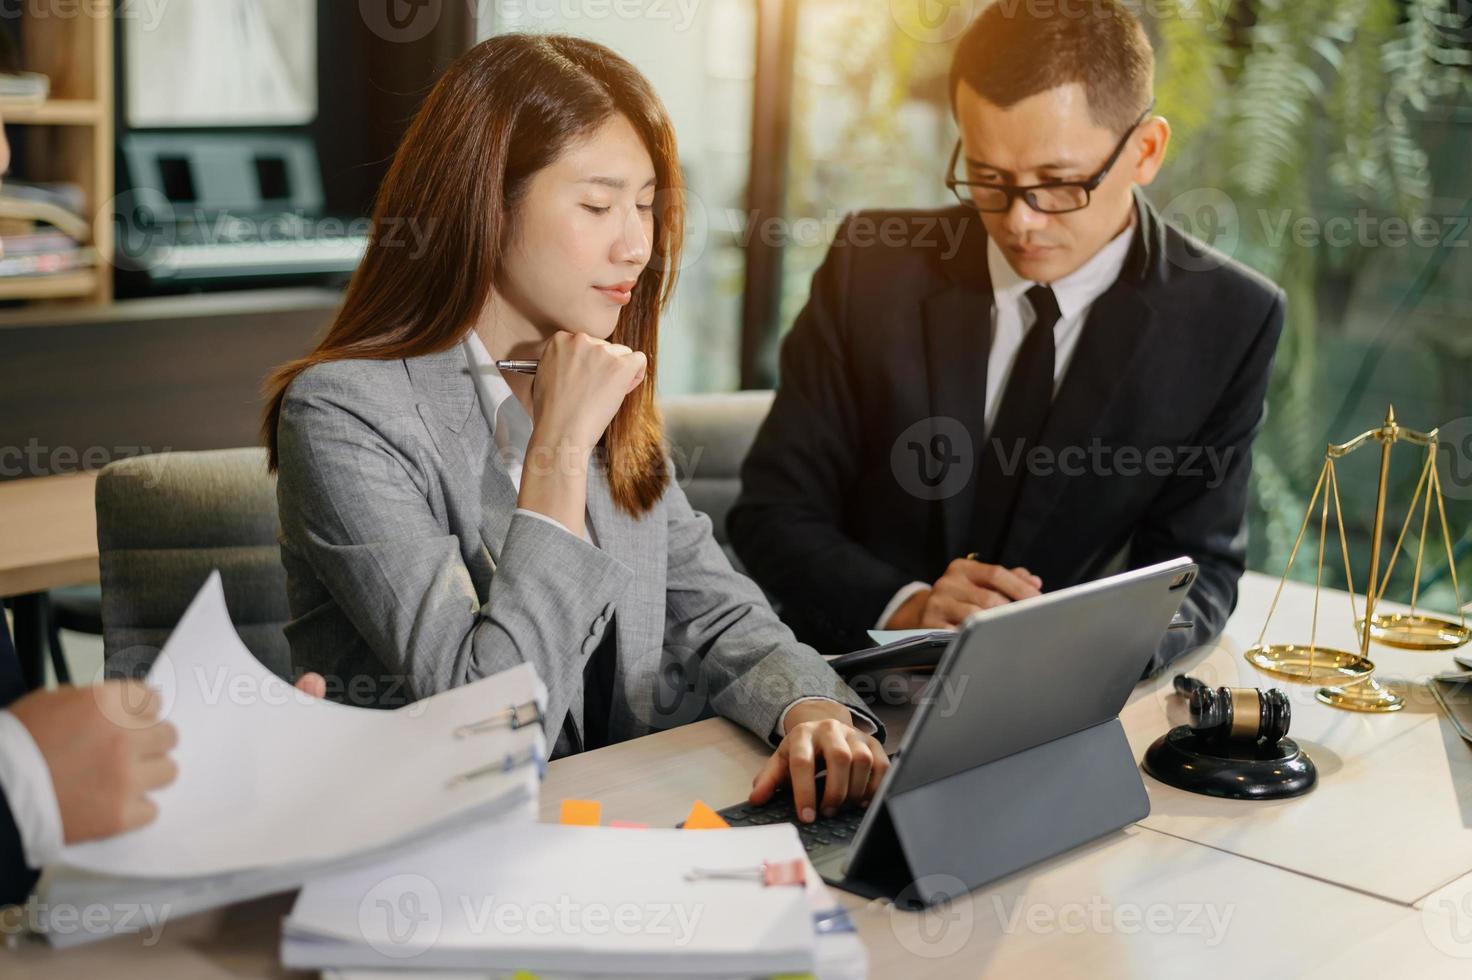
164,523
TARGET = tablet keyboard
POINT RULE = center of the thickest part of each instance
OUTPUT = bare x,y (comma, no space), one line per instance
824,839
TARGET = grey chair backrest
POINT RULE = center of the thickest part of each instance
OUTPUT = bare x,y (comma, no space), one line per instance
164,522
709,437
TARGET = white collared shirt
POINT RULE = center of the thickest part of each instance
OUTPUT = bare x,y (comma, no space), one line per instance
511,427
29,792
1012,316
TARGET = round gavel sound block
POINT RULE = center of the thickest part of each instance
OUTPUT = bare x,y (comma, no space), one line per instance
1234,769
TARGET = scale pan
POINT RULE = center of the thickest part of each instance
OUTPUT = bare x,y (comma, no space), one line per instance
1417,632
1290,662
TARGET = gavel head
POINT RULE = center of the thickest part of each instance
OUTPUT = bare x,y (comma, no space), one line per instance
1240,713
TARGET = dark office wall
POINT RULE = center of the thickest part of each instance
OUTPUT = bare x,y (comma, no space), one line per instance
150,375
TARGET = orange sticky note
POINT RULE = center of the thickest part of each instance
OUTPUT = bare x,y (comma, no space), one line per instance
582,813
703,817
628,825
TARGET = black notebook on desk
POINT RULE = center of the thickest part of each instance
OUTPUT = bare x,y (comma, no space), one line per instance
911,652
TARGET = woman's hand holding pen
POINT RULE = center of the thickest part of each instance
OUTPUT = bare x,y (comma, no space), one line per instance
580,384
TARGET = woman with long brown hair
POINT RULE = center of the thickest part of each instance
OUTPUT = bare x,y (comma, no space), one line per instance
442,521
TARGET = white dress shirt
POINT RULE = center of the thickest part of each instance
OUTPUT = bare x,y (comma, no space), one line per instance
511,427
1012,316
29,792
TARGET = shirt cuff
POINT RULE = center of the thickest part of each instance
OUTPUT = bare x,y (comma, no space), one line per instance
900,598
861,721
30,793
543,517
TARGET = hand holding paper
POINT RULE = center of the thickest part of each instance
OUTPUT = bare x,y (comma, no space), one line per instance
270,776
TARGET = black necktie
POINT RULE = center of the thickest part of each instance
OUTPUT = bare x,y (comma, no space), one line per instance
1024,410
12,681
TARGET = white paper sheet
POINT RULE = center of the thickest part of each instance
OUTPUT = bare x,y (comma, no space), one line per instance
546,897
882,637
269,776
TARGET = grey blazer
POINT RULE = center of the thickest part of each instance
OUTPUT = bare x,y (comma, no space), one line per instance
409,571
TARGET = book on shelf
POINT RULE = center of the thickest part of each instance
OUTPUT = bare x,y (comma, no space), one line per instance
43,231
23,89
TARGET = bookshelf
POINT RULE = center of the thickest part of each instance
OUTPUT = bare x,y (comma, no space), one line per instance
69,136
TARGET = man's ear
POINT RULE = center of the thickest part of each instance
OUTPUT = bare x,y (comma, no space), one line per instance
1151,140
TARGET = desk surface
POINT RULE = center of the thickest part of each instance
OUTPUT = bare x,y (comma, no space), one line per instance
1202,887
1384,778
48,533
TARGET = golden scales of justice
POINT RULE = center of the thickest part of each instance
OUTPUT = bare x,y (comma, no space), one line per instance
1347,676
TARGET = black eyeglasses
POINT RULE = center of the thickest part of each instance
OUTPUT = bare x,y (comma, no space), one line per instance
1054,197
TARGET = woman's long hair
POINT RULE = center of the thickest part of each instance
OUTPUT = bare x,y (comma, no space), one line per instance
502,112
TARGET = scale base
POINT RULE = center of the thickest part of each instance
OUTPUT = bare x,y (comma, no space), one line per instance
1231,770
1370,696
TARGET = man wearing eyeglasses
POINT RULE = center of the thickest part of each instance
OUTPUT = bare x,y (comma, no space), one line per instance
1058,387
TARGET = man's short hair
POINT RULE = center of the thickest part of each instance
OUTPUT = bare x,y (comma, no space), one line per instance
1011,52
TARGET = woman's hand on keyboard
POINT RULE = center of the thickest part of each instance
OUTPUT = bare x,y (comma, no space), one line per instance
855,762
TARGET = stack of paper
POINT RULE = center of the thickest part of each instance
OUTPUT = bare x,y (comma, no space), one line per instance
562,899
274,785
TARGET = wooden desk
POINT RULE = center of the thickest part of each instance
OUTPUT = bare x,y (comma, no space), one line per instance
1384,779
1134,904
48,533
1149,901
48,539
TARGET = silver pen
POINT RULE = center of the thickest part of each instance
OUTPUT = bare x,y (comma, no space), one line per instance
517,367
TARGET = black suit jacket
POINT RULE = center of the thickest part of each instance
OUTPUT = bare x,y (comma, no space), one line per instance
837,512
16,879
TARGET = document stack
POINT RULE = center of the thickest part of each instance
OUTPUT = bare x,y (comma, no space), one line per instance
556,900
275,786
